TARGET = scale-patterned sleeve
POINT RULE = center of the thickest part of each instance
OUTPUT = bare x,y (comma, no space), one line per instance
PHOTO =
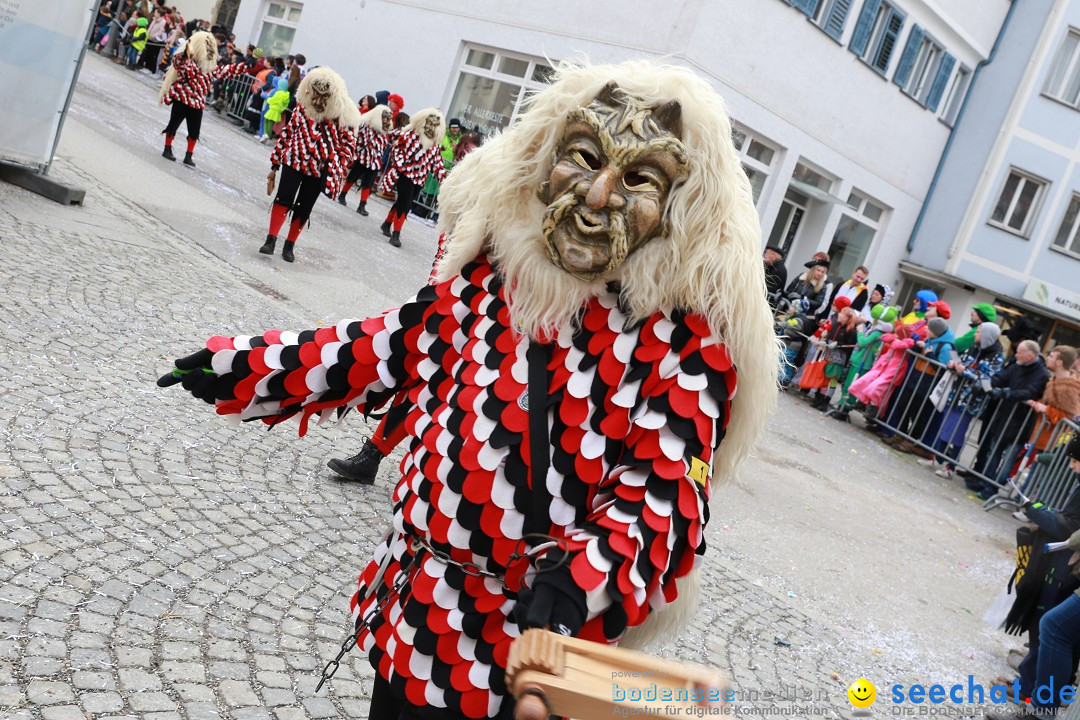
646,520
221,72
406,147
355,364
342,154
295,119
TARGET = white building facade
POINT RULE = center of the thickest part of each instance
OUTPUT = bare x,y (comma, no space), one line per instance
842,107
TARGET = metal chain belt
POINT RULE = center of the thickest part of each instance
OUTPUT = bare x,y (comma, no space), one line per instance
419,546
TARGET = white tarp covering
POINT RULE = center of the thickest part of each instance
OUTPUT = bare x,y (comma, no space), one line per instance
40,45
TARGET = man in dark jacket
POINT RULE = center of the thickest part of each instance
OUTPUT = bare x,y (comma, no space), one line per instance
775,274
1008,420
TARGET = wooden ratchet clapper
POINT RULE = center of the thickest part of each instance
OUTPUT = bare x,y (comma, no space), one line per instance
565,676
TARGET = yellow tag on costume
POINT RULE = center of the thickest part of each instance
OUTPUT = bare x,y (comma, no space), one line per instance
699,471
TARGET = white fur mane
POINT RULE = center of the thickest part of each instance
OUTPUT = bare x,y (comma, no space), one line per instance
373,118
202,49
339,107
417,121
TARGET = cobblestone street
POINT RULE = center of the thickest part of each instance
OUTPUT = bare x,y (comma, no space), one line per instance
157,563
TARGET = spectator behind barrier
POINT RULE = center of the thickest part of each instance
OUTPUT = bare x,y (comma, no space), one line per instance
1008,420
966,396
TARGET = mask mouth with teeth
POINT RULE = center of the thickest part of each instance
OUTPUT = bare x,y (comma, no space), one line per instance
611,177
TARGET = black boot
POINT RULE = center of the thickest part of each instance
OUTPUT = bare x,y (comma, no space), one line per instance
385,227
820,402
188,161
286,251
395,239
168,153
341,198
361,467
362,208
268,246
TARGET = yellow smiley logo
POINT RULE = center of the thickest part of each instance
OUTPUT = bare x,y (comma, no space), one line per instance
862,693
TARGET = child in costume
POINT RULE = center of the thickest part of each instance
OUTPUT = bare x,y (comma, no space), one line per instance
370,143
571,380
275,106
186,85
138,42
867,345
314,152
414,153
876,387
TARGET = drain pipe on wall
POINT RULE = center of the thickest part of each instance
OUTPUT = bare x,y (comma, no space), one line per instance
956,124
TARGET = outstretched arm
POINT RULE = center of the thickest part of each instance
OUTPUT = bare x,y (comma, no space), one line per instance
276,375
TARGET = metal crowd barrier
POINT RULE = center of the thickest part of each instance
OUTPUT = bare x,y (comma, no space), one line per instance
237,91
986,444
1048,478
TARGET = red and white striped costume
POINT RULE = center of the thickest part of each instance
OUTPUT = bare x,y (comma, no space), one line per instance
369,147
637,411
193,85
409,158
311,147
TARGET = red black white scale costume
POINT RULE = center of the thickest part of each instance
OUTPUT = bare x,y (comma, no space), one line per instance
314,151
370,142
414,154
634,406
186,86
636,388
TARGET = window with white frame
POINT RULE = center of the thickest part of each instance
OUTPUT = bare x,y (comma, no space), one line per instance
491,85
756,156
877,33
279,24
957,91
1068,235
1018,203
1063,83
855,234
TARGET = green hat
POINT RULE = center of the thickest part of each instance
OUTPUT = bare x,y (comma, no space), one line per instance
142,22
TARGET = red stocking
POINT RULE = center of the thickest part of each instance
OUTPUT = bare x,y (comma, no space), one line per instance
277,218
191,144
398,222
347,188
364,193
295,228
168,140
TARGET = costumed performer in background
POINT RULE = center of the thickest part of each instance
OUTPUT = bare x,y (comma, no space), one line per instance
315,151
414,153
186,85
370,143
571,379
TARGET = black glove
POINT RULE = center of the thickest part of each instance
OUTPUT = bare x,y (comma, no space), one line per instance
555,601
195,374
996,393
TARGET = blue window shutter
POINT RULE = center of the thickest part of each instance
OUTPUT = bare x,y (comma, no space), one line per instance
907,60
864,26
834,24
807,6
938,88
893,25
